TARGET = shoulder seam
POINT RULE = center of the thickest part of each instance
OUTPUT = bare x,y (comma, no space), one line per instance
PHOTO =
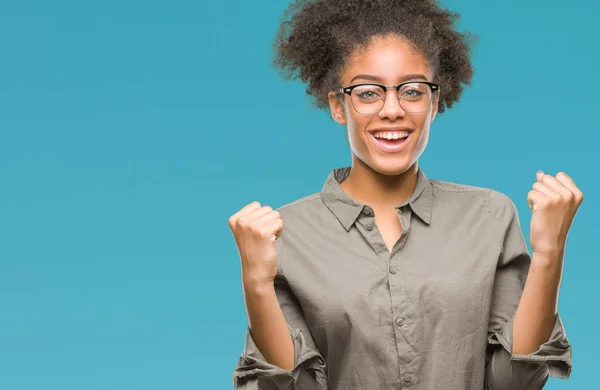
488,200
297,201
489,210
300,201
465,188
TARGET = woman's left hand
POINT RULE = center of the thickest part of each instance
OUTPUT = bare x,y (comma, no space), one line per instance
554,201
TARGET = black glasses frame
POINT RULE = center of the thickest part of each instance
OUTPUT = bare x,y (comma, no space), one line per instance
433,86
348,90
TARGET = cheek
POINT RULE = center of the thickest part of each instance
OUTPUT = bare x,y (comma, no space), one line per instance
425,126
356,126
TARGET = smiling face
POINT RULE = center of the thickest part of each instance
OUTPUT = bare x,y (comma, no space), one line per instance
387,60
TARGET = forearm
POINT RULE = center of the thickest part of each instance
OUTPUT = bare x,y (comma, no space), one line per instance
537,310
267,324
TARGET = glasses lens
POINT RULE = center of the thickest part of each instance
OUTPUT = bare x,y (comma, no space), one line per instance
415,97
368,99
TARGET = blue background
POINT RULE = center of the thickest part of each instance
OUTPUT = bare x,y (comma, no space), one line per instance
131,130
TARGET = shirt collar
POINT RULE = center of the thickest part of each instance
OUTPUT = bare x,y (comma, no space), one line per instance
347,209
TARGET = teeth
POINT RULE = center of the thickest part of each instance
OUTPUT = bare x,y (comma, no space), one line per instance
391,134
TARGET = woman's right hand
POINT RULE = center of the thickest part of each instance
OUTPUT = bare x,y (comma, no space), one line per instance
255,229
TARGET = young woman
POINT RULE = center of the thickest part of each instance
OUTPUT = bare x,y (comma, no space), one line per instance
386,279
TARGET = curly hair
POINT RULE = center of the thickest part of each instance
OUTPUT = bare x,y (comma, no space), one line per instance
316,37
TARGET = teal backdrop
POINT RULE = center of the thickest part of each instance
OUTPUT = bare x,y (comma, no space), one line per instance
131,130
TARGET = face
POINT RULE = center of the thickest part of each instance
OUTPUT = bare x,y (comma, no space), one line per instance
387,60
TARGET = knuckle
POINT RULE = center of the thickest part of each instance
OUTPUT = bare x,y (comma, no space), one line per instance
264,232
254,228
242,222
569,197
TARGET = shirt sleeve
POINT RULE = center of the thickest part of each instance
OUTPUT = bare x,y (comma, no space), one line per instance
253,372
505,370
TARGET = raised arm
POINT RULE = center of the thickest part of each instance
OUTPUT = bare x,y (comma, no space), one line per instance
521,358
279,352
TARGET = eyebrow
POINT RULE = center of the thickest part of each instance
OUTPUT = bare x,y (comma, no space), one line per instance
379,80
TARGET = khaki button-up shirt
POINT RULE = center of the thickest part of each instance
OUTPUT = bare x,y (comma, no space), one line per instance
434,313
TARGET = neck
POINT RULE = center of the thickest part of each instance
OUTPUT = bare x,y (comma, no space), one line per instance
378,190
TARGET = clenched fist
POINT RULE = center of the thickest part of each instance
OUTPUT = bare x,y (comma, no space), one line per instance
554,201
255,229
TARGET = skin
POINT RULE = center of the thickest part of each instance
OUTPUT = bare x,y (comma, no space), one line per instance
554,201
255,228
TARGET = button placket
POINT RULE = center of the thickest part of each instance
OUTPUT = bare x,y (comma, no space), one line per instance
367,210
400,311
366,219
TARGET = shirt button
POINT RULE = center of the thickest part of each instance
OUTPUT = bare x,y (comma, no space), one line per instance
368,210
370,226
399,321
407,378
393,270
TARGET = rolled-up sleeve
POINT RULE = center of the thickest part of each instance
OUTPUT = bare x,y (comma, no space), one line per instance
505,370
253,372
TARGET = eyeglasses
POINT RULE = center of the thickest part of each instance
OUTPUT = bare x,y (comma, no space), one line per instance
413,96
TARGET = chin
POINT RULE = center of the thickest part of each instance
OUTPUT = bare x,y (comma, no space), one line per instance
391,166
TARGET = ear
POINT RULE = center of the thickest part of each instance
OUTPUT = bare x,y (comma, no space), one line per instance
337,108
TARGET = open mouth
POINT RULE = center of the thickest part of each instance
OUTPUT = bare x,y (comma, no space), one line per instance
393,142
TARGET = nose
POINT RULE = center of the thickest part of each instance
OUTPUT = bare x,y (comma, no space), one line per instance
391,106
